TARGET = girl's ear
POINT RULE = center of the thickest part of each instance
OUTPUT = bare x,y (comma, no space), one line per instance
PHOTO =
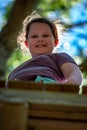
26,44
56,41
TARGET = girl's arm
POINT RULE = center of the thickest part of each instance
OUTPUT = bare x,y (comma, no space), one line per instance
71,73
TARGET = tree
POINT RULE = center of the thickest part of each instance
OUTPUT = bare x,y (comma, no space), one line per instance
8,34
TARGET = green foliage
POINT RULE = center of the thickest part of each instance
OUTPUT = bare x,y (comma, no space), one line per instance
8,9
85,78
16,59
46,6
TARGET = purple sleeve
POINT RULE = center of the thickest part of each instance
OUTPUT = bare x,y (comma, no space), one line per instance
64,58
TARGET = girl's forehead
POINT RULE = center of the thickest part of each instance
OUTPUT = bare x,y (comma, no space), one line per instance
41,24
39,27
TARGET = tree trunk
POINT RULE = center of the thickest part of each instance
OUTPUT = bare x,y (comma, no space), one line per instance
8,35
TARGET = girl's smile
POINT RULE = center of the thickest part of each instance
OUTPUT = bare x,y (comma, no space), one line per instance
40,39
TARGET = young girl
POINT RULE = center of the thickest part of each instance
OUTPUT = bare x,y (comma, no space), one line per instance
40,36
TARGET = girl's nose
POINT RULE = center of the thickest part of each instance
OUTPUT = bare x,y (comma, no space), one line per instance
40,39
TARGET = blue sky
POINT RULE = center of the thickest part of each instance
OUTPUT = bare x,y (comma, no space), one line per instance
75,42
3,5
77,36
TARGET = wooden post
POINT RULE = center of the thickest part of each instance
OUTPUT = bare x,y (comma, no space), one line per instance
13,115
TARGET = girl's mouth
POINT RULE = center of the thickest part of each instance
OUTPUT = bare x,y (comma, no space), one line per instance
41,45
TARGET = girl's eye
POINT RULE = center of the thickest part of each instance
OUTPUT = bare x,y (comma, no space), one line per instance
45,35
34,36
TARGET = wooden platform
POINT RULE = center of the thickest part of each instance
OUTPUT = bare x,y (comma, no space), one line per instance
50,107
25,85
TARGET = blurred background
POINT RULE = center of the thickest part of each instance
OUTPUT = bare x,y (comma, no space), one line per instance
73,16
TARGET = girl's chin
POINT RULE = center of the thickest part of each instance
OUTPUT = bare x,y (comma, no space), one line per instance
41,53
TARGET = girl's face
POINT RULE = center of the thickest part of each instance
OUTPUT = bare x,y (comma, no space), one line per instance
40,39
